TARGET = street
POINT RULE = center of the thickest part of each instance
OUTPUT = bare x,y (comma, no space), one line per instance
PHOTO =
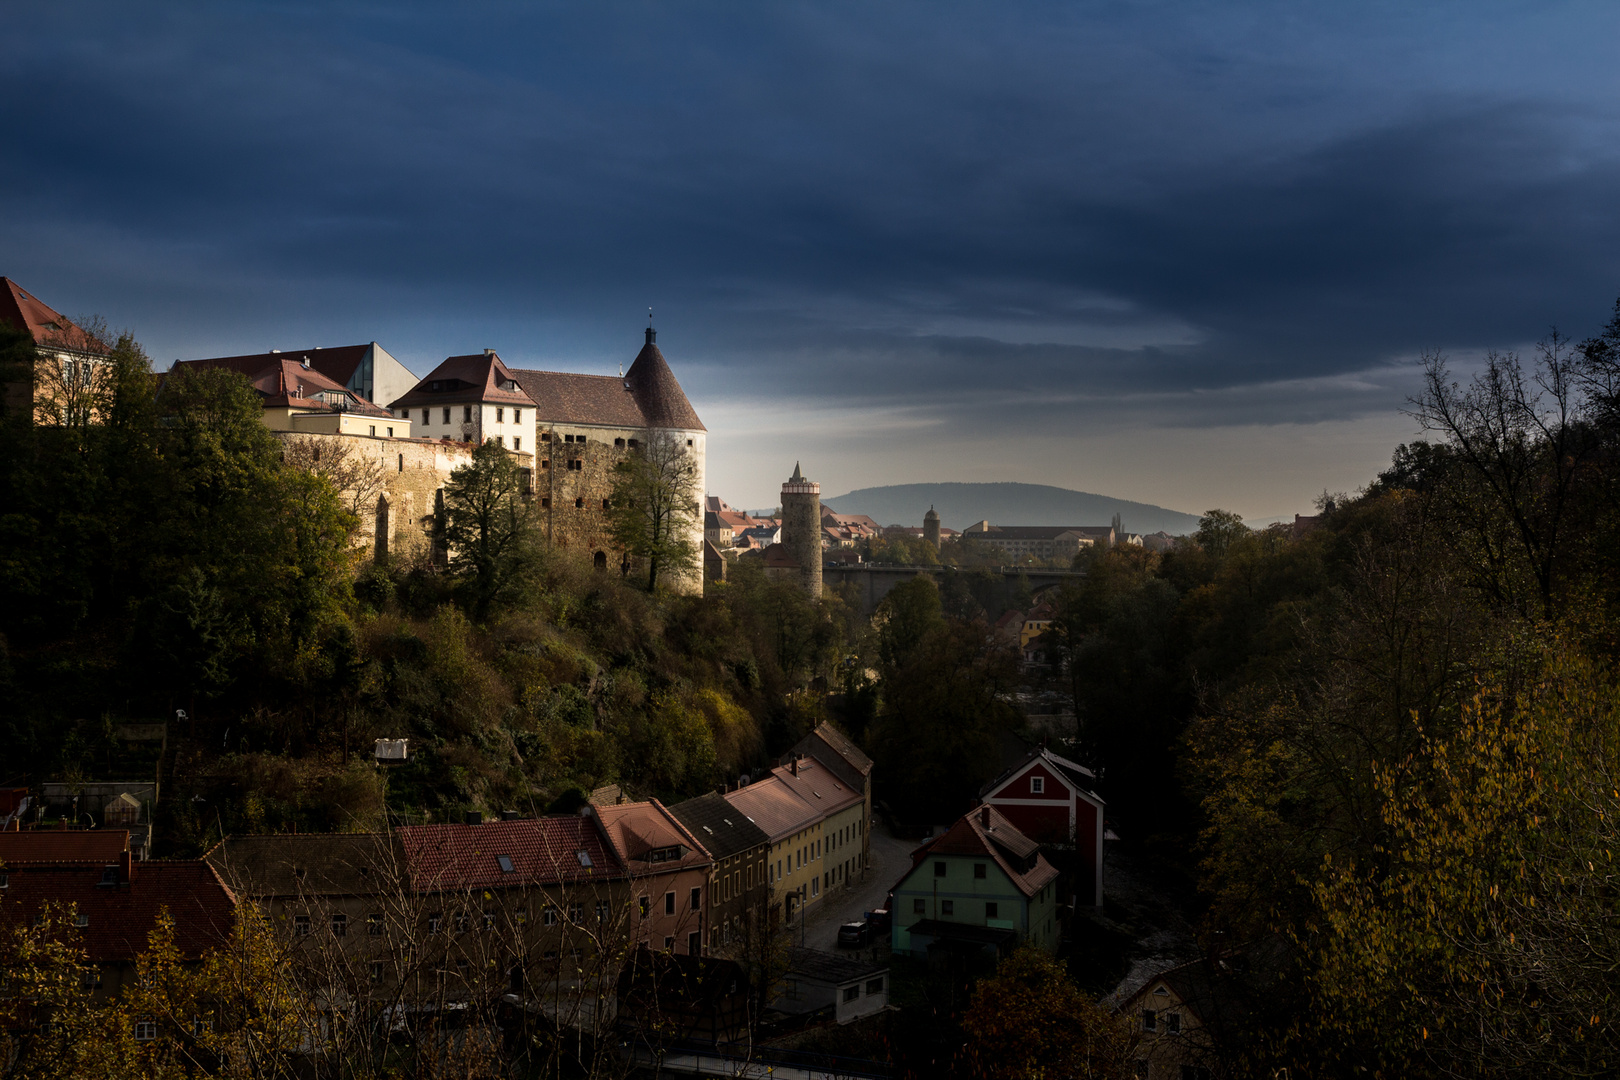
890,858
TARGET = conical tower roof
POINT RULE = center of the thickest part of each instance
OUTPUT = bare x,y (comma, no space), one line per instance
931,515
657,393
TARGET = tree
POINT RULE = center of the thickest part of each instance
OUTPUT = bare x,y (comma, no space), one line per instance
655,506
1029,1021
488,527
357,478
1218,530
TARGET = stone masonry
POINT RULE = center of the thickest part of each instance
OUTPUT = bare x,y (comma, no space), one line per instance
801,528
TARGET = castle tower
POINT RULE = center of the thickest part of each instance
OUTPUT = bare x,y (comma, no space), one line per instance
801,528
931,528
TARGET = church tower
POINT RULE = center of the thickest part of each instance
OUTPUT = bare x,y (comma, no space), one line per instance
801,528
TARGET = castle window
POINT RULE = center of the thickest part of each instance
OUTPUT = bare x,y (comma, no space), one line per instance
576,465
402,463
545,463
517,442
545,503
545,436
568,438
579,504
618,442
500,416
604,504
634,444
688,442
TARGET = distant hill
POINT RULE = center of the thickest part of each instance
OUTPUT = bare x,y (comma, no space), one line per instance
960,505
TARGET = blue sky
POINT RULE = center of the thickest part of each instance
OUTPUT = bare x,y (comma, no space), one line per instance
1181,253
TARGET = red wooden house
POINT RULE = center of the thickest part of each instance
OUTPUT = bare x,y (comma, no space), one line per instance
1050,799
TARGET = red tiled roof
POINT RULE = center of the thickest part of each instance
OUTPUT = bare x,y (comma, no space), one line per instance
95,847
998,840
564,398
774,807
38,318
122,916
477,377
658,393
336,363
284,382
543,850
638,828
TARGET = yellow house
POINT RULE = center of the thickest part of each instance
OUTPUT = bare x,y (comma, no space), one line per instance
794,866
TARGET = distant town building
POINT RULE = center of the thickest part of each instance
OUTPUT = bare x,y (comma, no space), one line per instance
67,355
931,527
1040,541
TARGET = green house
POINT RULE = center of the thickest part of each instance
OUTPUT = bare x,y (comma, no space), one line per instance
981,886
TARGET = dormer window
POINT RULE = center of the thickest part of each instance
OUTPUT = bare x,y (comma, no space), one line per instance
505,863
584,858
666,854
1037,785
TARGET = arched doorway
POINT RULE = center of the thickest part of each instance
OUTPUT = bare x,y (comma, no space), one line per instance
381,549
600,560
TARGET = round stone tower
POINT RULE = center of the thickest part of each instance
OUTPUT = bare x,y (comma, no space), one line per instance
931,528
801,528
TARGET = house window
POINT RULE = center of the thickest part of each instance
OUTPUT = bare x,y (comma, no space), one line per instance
390,433
645,904
852,993
447,414
619,443
89,978
426,416
340,924
634,444
939,869
504,862
576,912
500,416
697,899
694,943
145,1030
435,923
601,911
947,907
990,909
373,431
517,416
1150,1020
500,440
81,920
301,925
466,414
374,924
376,971
669,903
548,917
1037,785
489,920
1172,1023
978,870
517,442
874,986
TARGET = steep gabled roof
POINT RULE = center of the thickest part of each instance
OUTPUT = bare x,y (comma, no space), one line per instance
637,830
284,382
44,323
1076,776
837,751
720,827
985,833
598,400
477,377
548,850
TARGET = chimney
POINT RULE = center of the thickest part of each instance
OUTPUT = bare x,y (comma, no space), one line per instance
473,817
510,815
795,765
489,352
984,815
126,867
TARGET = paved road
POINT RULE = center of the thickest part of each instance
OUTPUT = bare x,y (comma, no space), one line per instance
890,858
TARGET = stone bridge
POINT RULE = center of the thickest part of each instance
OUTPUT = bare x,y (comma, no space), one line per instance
874,580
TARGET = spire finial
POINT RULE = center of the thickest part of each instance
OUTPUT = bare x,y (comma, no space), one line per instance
652,335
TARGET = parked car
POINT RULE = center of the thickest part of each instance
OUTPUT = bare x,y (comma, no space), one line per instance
878,920
852,935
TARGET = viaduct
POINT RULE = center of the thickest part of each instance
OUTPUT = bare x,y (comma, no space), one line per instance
874,580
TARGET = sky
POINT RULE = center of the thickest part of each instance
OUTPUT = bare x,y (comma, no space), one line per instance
1182,253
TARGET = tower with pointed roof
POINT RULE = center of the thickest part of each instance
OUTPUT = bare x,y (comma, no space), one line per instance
801,528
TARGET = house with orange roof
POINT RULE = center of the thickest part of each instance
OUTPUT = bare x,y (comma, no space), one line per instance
667,868
980,887
793,861
838,753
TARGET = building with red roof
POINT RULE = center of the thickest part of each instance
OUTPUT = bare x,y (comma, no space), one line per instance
68,355
981,886
1054,800
300,397
667,868
114,908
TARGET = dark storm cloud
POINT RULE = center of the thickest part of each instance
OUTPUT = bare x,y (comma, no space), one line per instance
1021,213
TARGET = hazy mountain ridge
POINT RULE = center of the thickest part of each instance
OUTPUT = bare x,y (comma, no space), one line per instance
1007,503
